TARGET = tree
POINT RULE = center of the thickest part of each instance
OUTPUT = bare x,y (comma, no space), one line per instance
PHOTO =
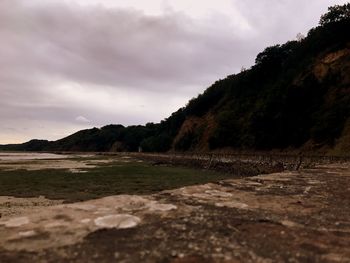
335,14
268,55
300,37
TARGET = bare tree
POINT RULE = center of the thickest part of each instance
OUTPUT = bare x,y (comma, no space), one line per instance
300,37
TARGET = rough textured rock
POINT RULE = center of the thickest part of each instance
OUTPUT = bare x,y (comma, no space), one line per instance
300,216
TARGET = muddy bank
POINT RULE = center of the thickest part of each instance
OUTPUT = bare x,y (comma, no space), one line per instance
236,167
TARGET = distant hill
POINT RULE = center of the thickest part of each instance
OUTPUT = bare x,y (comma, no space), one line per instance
295,97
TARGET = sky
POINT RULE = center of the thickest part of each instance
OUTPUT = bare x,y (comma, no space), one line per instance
67,65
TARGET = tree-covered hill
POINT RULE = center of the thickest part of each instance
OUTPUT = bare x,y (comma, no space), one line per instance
296,96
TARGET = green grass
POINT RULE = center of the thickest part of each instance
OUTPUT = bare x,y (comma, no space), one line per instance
104,180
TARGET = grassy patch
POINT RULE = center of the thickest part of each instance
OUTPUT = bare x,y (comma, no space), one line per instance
104,180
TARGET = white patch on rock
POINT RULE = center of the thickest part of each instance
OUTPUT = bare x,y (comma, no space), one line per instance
75,170
85,207
218,193
85,221
154,206
307,189
16,222
117,221
29,233
289,223
103,210
56,224
232,204
200,196
137,203
131,203
133,207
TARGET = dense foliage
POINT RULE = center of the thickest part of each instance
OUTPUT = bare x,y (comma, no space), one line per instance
335,14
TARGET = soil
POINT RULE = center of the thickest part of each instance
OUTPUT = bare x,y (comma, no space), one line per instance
299,216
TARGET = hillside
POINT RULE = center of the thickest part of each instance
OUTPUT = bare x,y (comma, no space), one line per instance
295,97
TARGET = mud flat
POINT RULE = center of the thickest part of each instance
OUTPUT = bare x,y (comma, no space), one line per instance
299,216
80,177
21,156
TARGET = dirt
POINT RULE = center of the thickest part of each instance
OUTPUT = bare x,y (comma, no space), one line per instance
299,216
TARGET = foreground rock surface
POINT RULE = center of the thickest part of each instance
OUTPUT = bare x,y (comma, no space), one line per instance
299,216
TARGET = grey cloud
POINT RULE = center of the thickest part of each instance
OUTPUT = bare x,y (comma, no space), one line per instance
277,21
115,47
82,119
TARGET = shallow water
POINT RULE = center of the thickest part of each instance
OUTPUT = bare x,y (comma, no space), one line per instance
5,156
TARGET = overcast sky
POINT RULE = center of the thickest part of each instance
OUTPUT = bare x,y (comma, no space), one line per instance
75,64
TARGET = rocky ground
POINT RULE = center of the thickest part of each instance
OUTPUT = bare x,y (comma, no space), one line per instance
301,216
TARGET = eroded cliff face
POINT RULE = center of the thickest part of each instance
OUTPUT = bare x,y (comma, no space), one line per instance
335,66
195,133
337,61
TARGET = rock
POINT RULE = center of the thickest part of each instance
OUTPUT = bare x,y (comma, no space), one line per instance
17,222
232,204
29,233
85,207
117,221
85,221
155,206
